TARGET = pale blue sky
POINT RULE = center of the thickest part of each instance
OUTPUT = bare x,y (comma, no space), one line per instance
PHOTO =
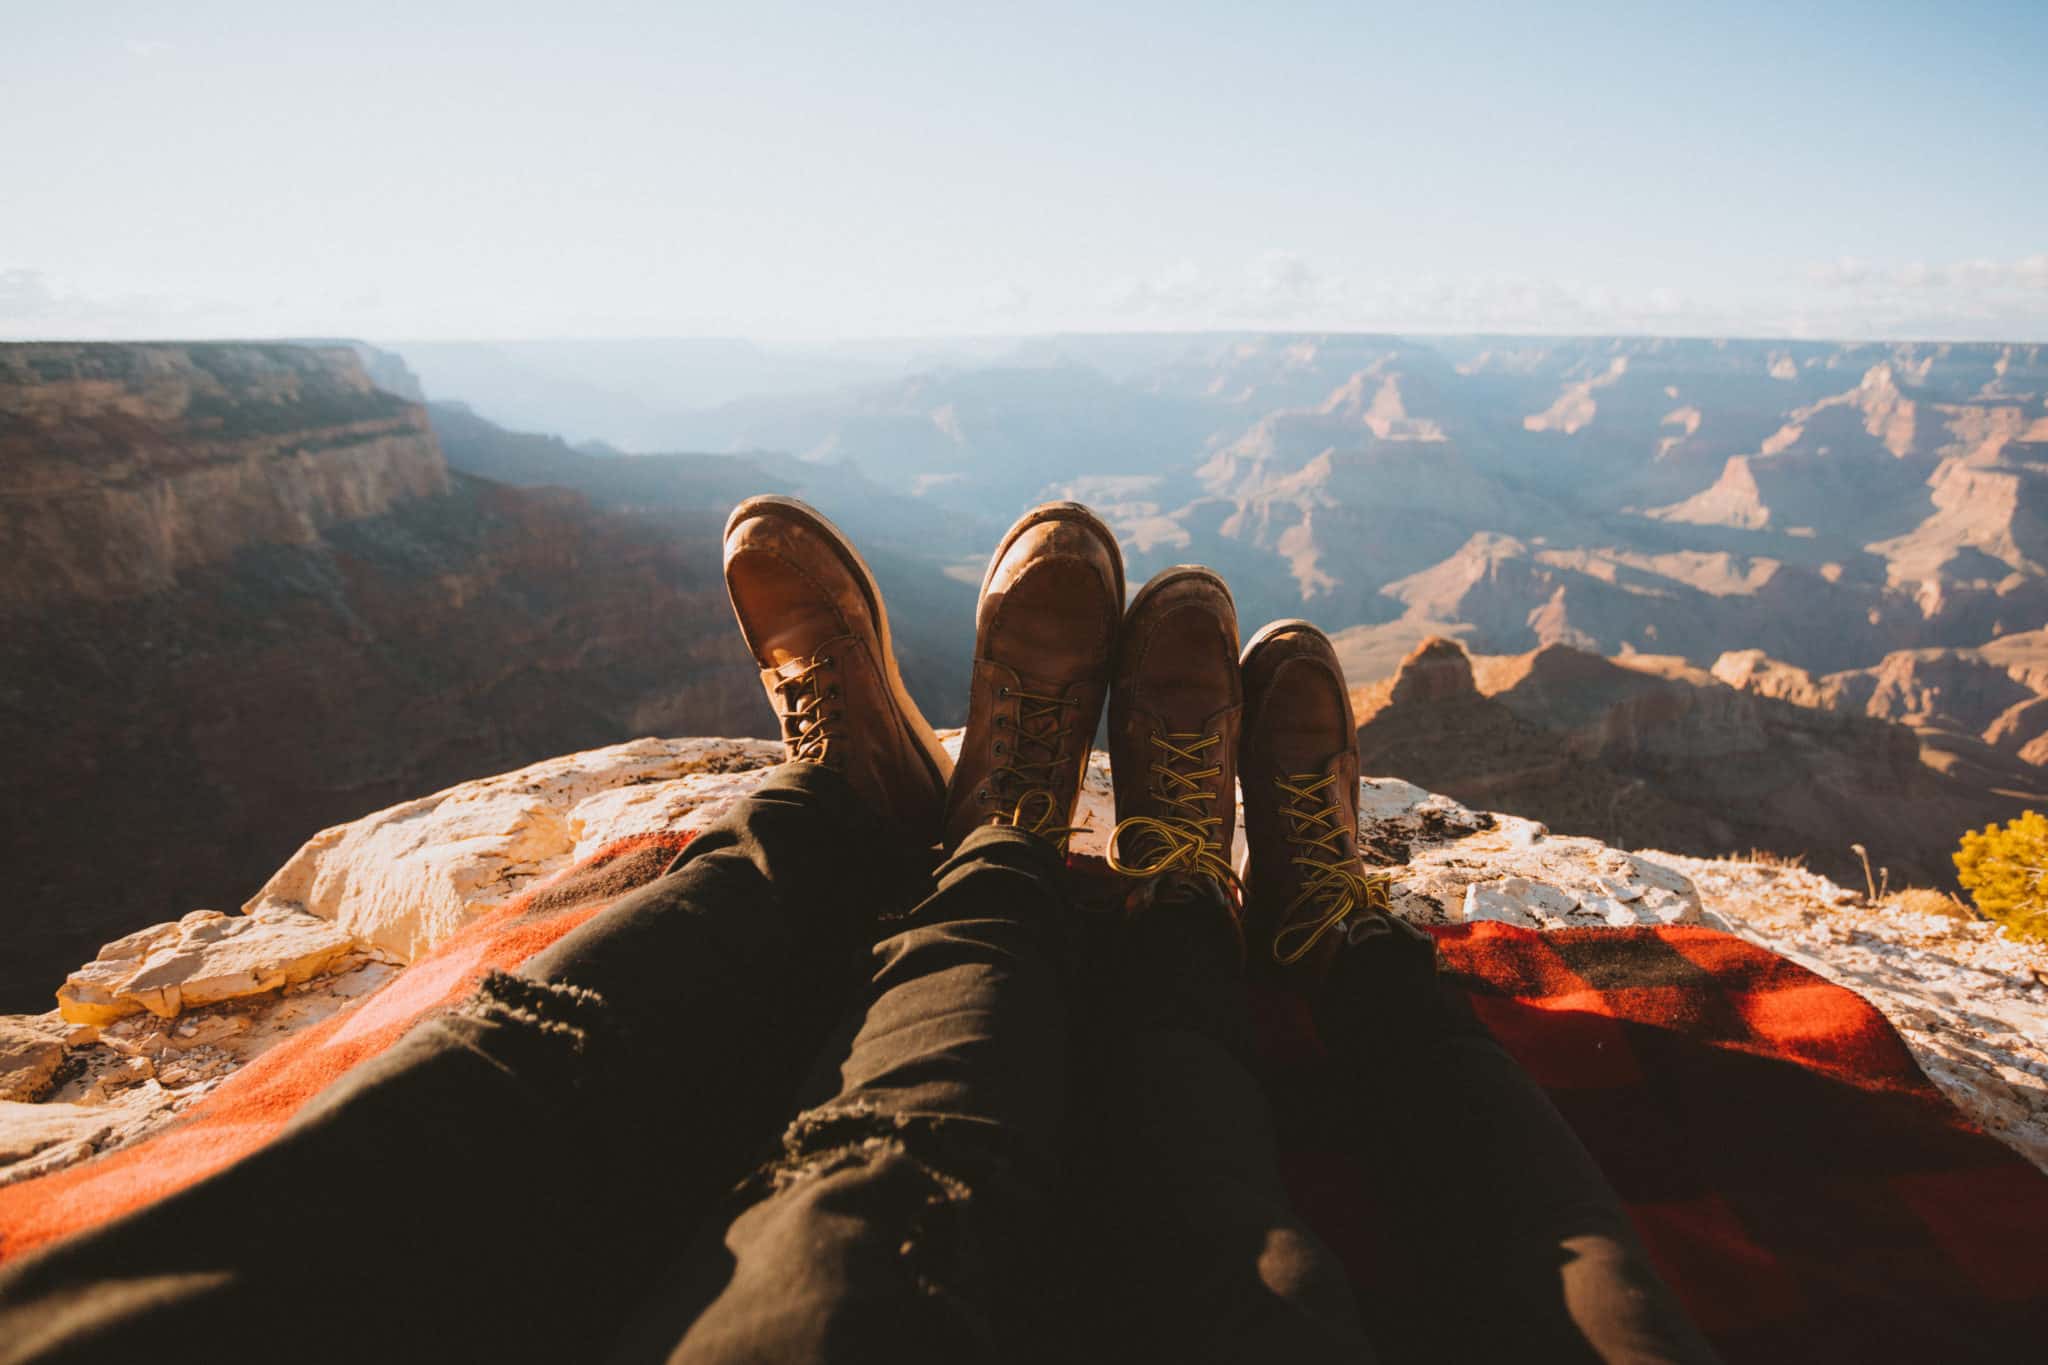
459,170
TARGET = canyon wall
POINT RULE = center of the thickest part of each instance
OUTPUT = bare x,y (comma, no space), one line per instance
249,589
123,465
1651,751
243,596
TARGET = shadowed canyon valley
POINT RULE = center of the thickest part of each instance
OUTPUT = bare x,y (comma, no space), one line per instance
1704,596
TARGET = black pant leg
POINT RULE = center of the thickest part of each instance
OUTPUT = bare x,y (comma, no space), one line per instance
1201,1255
496,1179
905,1217
1548,1264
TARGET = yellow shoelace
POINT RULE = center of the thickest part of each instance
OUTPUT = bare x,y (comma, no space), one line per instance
1191,838
1041,730
1038,812
1332,887
807,727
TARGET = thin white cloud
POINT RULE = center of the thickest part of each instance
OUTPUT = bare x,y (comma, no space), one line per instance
1970,300
146,48
1003,299
1170,292
1284,283
35,305
1964,300
1284,289
2027,272
25,296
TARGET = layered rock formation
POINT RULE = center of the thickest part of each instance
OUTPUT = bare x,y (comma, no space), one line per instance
1971,1003
1649,751
928,565
2023,654
123,466
254,591
245,596
1985,702
2022,731
1841,508
1829,503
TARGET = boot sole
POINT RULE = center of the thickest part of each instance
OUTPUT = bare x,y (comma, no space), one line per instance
906,707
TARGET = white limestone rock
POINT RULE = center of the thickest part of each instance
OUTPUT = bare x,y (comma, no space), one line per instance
27,1129
404,879
36,1139
31,1054
132,1075
1393,809
1516,900
1450,864
200,959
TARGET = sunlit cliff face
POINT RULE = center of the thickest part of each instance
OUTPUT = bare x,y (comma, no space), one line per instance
243,597
122,466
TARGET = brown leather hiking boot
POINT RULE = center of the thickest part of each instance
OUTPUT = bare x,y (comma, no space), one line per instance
1174,708
812,614
1042,640
1303,876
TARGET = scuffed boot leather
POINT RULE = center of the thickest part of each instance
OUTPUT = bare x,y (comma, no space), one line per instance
1044,632
813,616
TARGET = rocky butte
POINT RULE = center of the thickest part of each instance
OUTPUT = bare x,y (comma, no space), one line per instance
1643,749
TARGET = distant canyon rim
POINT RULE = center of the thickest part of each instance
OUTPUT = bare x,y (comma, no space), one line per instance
1698,595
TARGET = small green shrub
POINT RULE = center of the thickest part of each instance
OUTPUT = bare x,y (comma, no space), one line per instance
2006,873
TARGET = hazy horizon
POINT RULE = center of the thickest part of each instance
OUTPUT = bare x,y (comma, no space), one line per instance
793,176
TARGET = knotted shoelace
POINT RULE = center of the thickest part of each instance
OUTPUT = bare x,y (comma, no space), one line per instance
1035,767
1189,838
1038,812
1333,889
808,727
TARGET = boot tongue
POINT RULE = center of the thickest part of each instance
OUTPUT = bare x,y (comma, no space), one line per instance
1046,723
1044,687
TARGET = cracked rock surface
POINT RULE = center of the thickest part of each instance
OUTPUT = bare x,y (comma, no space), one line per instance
201,959
405,878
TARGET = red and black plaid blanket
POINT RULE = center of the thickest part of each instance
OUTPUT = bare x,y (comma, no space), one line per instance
1797,1178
